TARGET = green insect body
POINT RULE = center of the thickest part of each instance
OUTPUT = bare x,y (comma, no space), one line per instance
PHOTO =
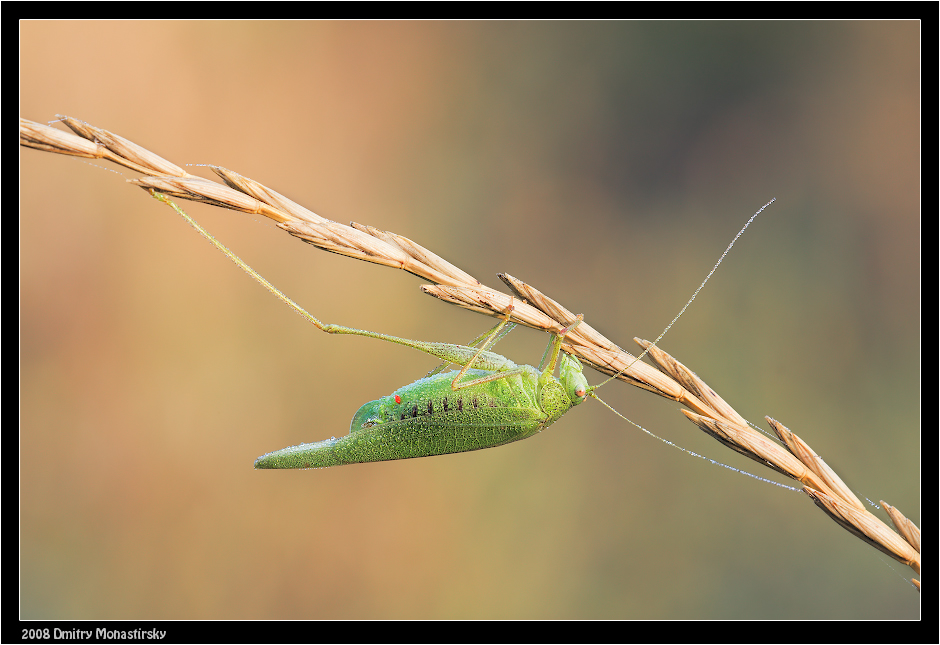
442,414
491,401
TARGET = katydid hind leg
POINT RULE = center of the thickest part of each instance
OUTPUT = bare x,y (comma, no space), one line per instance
451,354
500,330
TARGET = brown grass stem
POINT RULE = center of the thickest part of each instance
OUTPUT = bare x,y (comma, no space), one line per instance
530,307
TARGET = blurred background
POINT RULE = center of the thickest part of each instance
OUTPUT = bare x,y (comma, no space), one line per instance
608,164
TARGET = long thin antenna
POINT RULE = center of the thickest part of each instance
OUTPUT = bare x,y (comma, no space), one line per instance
714,268
679,315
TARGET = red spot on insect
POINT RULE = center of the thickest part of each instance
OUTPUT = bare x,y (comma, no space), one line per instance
397,399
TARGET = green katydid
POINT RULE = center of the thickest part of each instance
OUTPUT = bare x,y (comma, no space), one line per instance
497,402
489,402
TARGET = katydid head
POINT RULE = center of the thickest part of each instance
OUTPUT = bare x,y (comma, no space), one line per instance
571,375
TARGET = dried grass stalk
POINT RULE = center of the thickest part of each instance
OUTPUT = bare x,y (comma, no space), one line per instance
528,306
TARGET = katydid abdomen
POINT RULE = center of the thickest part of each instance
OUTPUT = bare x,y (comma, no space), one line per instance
429,417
